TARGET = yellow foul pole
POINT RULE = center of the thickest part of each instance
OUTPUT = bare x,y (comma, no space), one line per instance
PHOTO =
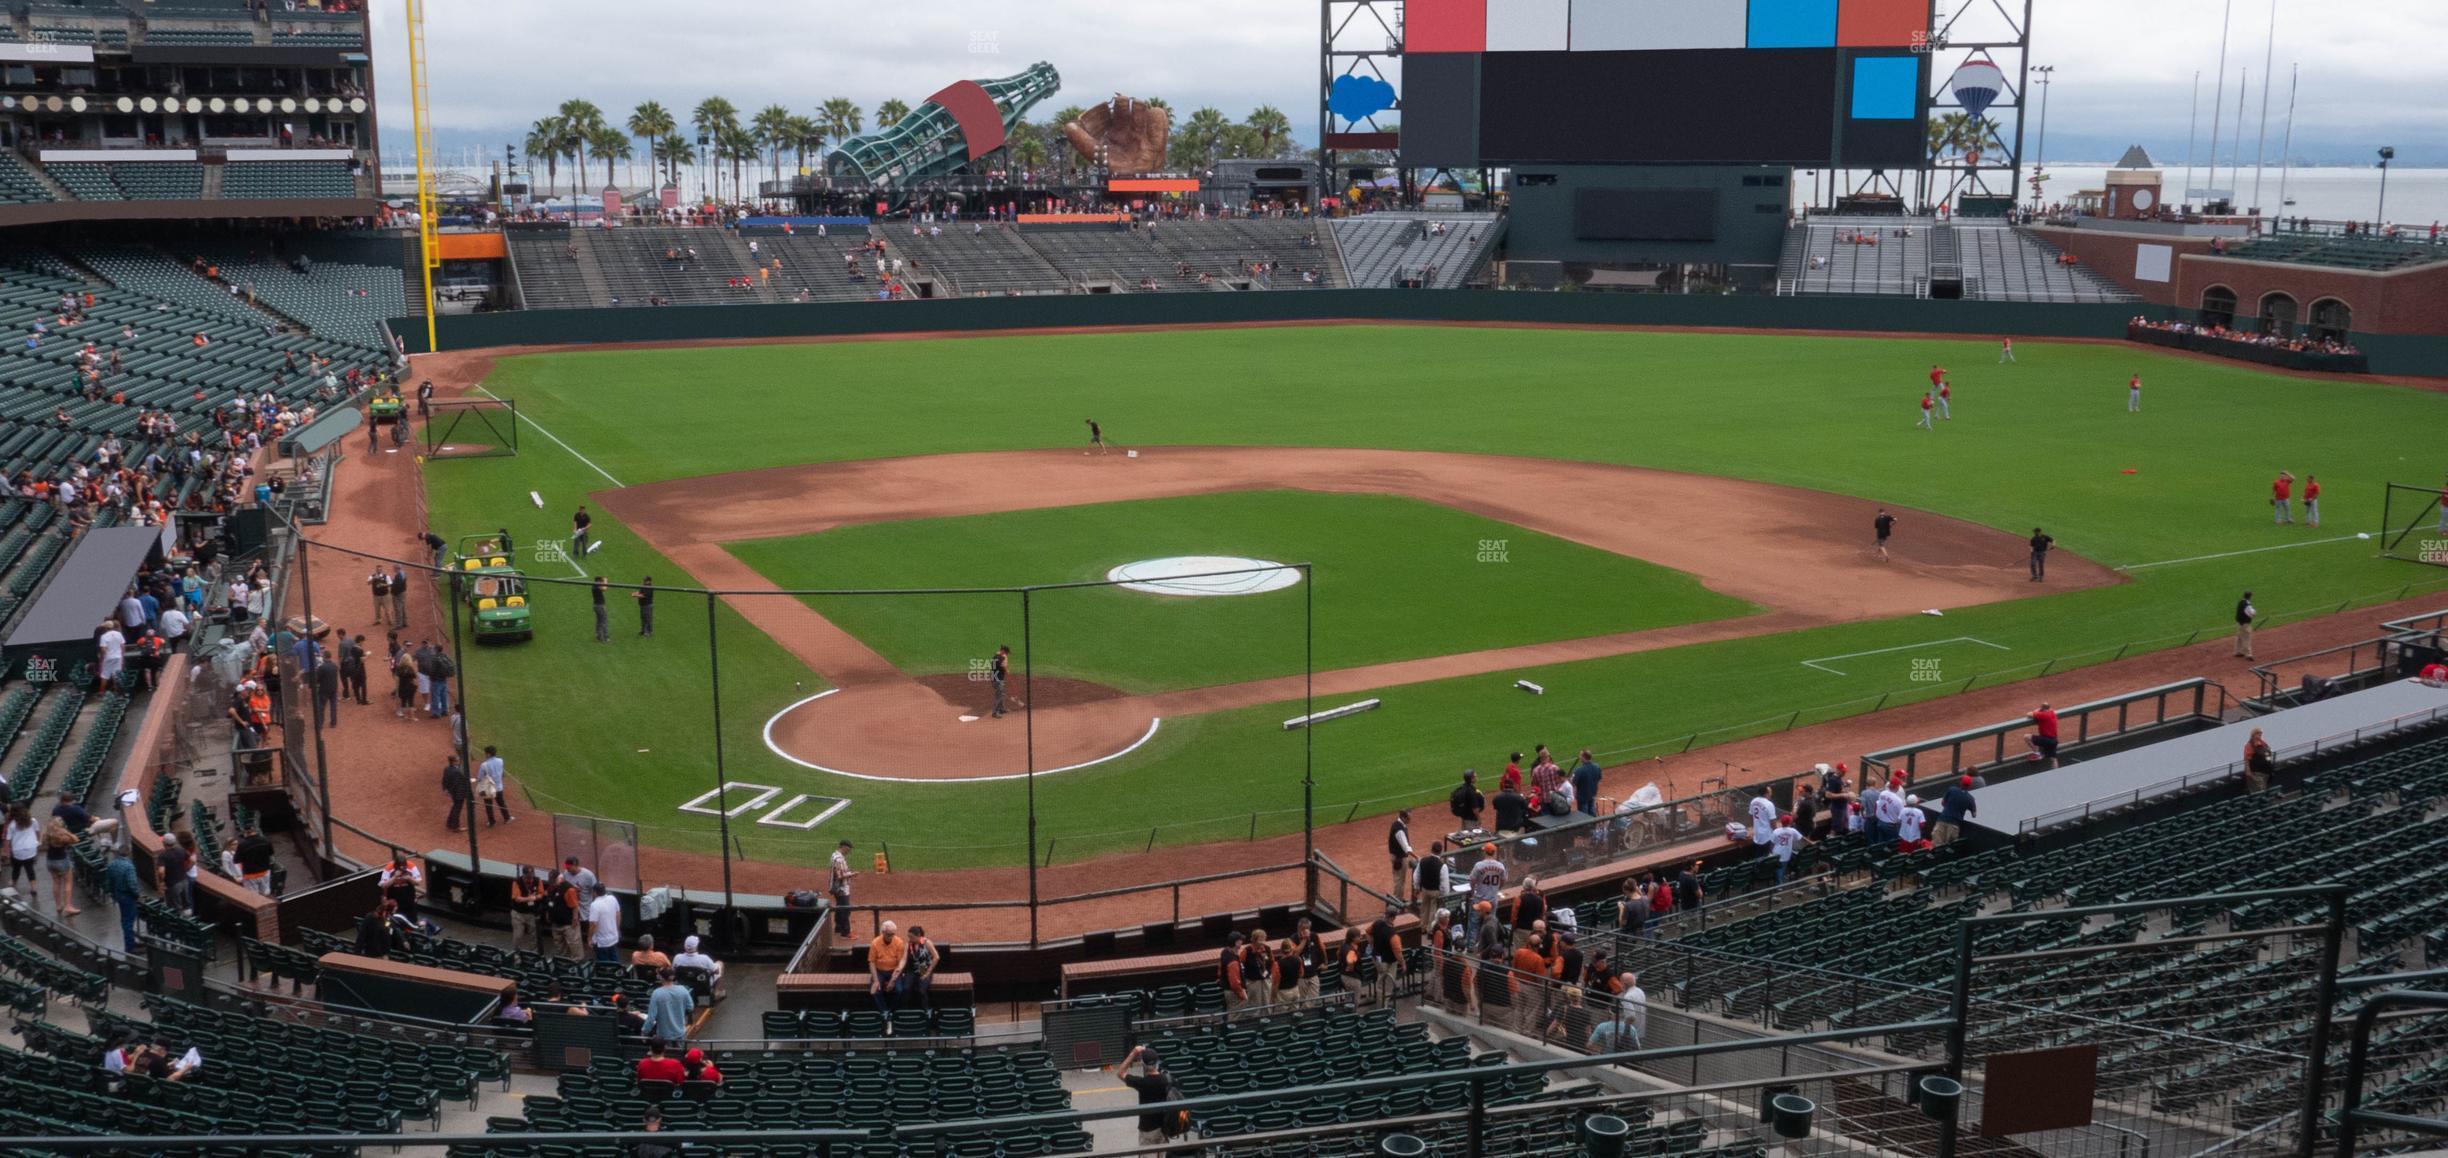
428,246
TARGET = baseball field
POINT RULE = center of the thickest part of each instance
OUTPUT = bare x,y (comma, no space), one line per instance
1669,533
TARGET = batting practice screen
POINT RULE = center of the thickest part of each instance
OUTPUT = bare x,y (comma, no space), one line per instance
1812,83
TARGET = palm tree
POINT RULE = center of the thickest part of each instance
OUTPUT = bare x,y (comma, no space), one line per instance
1272,127
711,117
1201,138
610,144
890,113
736,144
1066,160
674,152
841,119
653,122
547,140
1028,147
806,137
582,118
771,127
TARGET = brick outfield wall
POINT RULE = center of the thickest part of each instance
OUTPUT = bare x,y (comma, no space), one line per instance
2404,301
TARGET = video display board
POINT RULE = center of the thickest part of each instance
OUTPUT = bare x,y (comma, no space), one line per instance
1809,83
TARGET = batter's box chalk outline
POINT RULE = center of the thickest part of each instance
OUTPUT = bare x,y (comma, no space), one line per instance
1822,662
774,819
764,793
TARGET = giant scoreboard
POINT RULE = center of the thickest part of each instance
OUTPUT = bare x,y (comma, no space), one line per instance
1807,83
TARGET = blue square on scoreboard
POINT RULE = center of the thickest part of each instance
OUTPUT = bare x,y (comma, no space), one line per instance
1885,87
1793,24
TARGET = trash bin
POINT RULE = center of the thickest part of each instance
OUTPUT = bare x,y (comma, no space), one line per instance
1791,1115
1603,1135
1401,1146
1938,1096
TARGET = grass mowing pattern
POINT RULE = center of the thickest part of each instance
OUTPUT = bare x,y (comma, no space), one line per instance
2042,442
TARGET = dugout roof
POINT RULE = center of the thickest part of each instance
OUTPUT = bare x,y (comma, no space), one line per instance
85,590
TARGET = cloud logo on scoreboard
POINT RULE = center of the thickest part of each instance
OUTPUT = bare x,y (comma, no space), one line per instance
1355,97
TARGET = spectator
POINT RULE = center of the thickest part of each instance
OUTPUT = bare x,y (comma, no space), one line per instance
254,856
1631,1010
1529,964
916,977
2043,737
668,1009
1258,969
1398,846
1585,780
1529,908
1362,970
838,887
526,905
2259,762
696,1068
603,916
1632,909
1687,891
512,1012
462,795
690,958
1152,1086
646,954
1468,803
884,956
1512,777
659,1066
1908,830
1308,953
563,912
173,865
1783,841
584,878
1887,815
1487,882
1432,878
490,788
24,846
119,877
1228,973
1386,945
58,847
1512,811
1957,805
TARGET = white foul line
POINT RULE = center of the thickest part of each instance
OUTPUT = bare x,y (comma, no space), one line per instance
1821,663
777,750
539,429
2233,554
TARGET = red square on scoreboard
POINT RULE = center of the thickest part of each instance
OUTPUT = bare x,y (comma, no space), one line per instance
1882,23
1445,25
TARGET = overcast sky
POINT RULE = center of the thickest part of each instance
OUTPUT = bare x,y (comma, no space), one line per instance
2370,73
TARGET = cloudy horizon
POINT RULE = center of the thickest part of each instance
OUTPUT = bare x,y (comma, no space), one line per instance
2124,73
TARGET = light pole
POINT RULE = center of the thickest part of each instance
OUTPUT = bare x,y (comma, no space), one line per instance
2040,153
2387,154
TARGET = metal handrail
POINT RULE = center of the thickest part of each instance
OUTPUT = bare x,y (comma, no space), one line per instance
2351,1114
2081,813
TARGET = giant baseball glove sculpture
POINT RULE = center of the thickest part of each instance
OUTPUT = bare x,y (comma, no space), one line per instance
1132,133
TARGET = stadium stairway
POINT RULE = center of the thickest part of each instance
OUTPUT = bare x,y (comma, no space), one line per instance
553,273
1379,249
977,262
814,264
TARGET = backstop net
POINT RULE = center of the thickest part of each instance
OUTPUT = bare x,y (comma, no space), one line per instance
2414,524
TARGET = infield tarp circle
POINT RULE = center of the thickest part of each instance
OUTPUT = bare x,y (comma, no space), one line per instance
1198,575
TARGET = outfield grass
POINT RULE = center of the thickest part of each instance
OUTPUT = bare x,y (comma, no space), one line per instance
1404,579
2043,442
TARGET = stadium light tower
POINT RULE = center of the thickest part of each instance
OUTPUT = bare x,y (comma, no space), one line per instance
2040,150
2388,153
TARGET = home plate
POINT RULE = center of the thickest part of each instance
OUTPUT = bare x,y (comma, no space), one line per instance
968,719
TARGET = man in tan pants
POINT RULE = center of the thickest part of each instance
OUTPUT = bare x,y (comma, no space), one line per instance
2245,613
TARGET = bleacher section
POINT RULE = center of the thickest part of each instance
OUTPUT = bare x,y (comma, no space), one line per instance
336,299
18,184
267,179
1383,249
814,1090
815,264
991,261
2367,823
2360,252
1998,262
549,275
636,269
